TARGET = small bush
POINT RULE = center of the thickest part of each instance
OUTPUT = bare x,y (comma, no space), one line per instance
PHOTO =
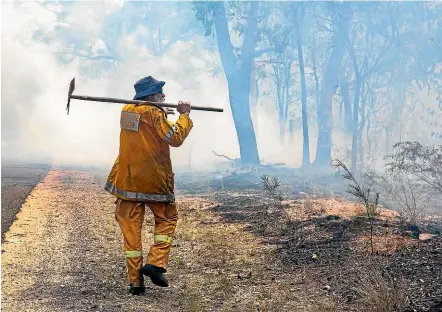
422,162
363,193
292,227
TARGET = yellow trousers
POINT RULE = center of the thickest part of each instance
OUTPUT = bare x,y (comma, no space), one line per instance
130,217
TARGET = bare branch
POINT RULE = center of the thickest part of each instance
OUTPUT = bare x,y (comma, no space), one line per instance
260,52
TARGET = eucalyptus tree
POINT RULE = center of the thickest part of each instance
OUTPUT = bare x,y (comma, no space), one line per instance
286,35
278,33
298,12
236,26
337,23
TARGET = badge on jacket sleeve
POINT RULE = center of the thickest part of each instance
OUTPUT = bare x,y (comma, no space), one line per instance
130,121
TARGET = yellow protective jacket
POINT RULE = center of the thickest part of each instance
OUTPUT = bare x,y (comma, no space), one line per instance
143,169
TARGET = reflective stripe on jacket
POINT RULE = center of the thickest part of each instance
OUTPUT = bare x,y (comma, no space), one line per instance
143,169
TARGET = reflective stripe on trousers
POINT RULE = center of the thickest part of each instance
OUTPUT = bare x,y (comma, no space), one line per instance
130,217
133,253
163,238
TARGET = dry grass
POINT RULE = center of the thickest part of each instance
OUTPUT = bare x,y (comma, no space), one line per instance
191,300
380,293
308,203
326,305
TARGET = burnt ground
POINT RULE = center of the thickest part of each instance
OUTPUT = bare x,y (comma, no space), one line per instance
329,242
18,180
336,252
236,249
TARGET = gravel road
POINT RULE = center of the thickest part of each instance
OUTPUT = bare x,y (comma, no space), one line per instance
64,252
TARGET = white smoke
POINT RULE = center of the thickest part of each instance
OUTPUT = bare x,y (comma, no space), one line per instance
35,86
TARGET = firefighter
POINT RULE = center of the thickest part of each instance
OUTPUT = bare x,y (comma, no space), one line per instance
142,178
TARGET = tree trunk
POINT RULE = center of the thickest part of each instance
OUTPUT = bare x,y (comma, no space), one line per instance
280,103
239,95
286,96
347,105
315,75
370,110
253,99
329,82
281,128
238,73
354,143
306,142
362,123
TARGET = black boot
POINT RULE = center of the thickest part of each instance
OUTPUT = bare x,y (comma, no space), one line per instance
156,275
136,290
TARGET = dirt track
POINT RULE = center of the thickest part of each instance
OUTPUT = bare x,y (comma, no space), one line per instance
64,253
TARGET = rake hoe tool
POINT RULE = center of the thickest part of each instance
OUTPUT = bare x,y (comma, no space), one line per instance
123,101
